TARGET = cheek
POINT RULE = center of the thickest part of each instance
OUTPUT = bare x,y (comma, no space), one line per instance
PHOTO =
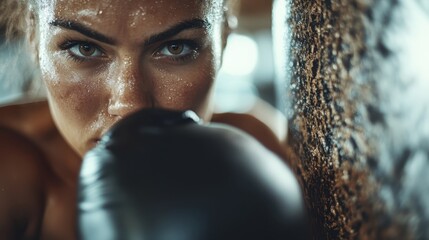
71,98
75,99
189,87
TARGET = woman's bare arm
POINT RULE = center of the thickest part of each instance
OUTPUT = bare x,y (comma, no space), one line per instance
21,186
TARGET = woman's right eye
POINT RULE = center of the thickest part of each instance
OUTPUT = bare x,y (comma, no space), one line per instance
82,50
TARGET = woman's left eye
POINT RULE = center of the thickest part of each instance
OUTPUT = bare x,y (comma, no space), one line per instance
178,49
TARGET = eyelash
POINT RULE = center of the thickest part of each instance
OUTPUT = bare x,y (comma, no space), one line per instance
193,48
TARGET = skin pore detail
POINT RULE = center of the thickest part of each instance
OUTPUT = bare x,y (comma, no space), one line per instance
102,60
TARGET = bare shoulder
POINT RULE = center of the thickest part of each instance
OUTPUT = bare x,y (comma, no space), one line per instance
31,119
22,183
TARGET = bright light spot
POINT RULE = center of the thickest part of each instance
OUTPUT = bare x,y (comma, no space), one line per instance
240,56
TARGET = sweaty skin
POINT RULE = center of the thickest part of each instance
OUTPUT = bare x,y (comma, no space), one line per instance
100,61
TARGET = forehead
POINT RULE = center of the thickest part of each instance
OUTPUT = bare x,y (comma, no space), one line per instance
137,9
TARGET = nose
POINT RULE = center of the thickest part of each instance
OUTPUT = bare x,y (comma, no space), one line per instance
130,90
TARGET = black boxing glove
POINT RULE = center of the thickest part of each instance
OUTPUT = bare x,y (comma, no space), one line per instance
159,175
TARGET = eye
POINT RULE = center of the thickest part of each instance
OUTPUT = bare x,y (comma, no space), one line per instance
177,49
81,50
85,50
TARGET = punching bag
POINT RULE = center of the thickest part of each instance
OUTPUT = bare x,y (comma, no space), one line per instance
354,83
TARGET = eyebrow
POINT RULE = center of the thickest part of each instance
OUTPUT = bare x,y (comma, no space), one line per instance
170,32
78,27
176,29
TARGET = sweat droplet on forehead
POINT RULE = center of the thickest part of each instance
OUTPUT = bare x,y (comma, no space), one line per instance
139,14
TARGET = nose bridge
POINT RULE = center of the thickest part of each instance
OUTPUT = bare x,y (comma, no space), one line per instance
129,89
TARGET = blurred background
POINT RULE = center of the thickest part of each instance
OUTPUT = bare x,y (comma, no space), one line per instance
247,74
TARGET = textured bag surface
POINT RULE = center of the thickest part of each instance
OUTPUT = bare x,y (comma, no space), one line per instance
356,83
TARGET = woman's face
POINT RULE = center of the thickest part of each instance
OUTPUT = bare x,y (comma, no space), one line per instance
104,59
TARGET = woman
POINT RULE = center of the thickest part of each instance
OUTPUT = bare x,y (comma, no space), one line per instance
100,61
